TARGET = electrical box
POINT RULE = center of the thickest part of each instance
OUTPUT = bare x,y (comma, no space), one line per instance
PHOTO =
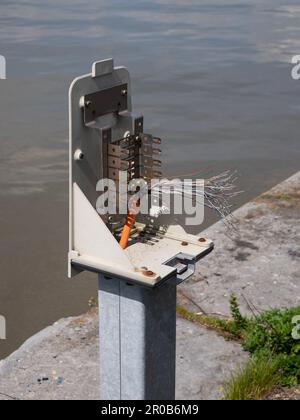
109,141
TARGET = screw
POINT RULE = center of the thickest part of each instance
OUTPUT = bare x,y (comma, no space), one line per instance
184,243
202,240
78,155
124,92
88,104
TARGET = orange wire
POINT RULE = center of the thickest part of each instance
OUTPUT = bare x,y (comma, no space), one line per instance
130,221
129,224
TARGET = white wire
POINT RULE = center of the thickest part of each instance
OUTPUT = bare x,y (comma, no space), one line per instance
216,194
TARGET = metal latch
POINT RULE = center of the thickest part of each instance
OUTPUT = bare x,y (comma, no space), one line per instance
185,265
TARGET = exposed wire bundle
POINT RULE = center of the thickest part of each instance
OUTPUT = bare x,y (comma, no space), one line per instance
216,193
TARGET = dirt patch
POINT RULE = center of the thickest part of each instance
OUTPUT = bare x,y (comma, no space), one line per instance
294,253
245,244
286,394
84,319
284,199
255,213
242,256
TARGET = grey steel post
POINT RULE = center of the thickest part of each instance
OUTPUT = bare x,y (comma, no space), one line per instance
137,328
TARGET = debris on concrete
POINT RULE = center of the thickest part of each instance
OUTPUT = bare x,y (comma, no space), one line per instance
71,364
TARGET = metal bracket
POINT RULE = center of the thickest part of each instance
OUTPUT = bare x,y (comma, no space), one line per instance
185,265
105,102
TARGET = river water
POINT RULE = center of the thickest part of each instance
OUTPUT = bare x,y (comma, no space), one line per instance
213,79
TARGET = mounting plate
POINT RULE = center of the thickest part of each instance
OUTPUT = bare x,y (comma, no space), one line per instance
105,101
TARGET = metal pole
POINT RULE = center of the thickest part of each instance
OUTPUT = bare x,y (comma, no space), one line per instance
137,328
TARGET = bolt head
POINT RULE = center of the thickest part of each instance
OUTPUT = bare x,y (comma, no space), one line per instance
148,273
202,240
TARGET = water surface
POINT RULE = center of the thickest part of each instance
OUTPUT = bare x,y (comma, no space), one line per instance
212,79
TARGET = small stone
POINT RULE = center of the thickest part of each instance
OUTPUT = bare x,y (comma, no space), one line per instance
59,380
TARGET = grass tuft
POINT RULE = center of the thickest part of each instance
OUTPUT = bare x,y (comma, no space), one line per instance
226,328
269,338
258,377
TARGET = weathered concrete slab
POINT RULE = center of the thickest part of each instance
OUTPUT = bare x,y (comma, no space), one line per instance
61,363
260,263
204,361
57,363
